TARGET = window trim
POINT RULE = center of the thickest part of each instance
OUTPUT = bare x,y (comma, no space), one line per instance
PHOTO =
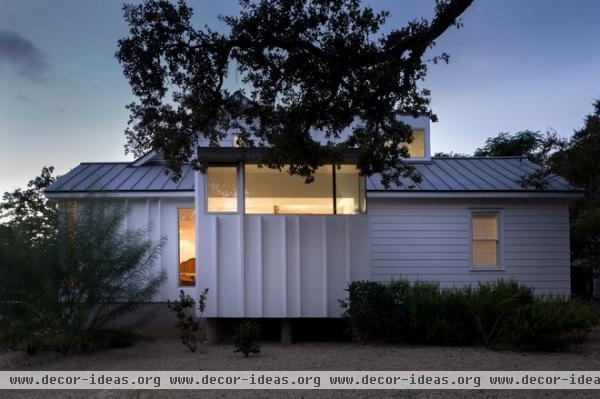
426,143
242,173
179,285
500,240
237,188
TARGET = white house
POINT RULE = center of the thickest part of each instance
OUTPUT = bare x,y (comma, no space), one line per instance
266,245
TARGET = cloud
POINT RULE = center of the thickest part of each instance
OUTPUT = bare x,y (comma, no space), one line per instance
23,98
22,55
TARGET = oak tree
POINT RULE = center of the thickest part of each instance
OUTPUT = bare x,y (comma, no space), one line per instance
306,65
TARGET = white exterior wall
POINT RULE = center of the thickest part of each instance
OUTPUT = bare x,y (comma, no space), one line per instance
430,240
159,216
298,265
277,265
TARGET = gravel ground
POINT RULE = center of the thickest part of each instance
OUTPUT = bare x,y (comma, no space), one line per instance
170,354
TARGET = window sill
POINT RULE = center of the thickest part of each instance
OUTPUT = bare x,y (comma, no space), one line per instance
487,269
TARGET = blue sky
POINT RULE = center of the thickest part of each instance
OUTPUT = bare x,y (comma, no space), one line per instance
514,65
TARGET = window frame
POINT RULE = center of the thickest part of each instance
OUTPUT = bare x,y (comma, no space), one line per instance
426,143
499,213
179,285
239,186
242,179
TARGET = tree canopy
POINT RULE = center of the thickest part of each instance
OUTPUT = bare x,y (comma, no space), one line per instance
525,143
28,208
306,65
578,162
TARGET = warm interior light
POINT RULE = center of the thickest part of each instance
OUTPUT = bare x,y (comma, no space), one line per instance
187,247
416,148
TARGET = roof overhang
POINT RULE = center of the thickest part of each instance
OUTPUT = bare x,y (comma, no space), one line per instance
569,195
215,155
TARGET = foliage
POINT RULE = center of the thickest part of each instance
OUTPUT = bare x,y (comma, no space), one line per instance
521,144
372,309
29,210
450,154
502,315
579,163
498,310
245,338
308,65
438,316
67,291
187,321
557,323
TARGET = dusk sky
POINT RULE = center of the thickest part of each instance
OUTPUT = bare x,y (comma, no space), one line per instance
514,65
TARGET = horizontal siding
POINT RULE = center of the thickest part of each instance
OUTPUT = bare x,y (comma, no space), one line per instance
430,240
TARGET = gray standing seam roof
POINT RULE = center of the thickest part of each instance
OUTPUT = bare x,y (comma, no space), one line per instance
471,174
121,177
438,174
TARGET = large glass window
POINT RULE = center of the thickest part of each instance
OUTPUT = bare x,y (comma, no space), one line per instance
416,148
485,239
221,184
349,191
187,247
269,191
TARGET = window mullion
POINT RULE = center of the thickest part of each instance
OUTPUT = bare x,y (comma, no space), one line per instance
334,191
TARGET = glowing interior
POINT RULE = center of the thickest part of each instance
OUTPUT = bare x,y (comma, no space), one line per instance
187,247
485,239
416,148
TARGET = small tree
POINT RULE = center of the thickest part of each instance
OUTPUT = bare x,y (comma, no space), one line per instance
245,338
187,321
28,210
68,291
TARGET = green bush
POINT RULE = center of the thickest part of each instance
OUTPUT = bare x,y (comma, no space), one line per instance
500,315
245,338
437,316
498,310
557,323
373,310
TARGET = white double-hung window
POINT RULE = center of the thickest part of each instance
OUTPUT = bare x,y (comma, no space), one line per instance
485,240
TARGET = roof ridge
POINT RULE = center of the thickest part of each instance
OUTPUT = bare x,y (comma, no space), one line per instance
108,163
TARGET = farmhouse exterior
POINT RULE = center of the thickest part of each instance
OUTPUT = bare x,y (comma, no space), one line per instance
266,245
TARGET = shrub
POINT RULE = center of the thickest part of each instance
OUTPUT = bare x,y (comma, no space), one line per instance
438,316
373,310
498,310
245,338
187,321
65,292
557,323
500,315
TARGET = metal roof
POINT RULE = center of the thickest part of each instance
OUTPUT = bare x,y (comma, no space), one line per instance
122,176
438,174
471,174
